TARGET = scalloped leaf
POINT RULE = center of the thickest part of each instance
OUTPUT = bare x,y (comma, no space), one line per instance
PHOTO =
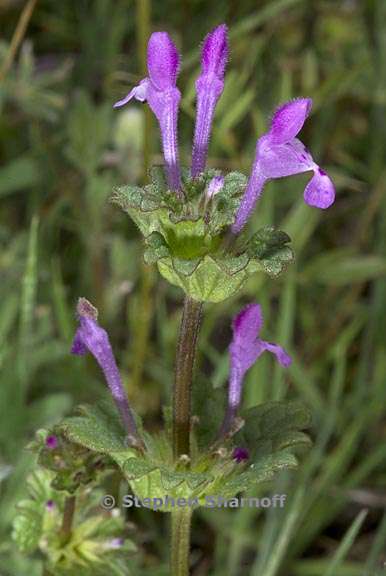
274,426
266,242
158,178
263,470
142,205
156,248
234,185
209,282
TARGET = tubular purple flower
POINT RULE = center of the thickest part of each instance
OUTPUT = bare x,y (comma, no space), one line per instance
279,153
160,92
246,347
91,337
209,87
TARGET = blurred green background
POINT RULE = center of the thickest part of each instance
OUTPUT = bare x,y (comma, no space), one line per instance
63,148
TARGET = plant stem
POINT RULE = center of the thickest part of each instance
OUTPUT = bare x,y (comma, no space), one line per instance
181,521
68,516
186,349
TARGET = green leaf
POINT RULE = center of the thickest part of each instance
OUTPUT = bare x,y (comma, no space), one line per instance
274,426
29,522
266,242
209,282
94,430
234,185
158,178
185,267
264,470
186,238
156,248
269,248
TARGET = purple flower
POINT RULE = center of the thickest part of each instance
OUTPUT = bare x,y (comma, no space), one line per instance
160,92
51,442
113,544
240,454
91,337
279,153
209,87
50,505
214,187
245,349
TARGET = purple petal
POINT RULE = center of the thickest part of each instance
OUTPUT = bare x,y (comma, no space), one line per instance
95,339
165,107
138,92
252,193
280,154
215,185
244,349
214,54
209,87
288,120
114,544
247,324
160,91
163,60
320,191
281,355
279,160
78,348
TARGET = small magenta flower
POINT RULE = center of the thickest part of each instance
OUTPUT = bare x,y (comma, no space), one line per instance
91,337
113,544
209,87
246,347
160,92
240,454
52,442
50,505
279,153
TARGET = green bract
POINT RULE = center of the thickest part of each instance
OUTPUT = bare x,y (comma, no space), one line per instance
272,433
190,240
37,528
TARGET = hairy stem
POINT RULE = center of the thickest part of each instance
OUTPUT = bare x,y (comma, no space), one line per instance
68,517
181,521
186,349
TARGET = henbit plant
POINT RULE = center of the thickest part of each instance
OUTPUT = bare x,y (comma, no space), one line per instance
191,220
